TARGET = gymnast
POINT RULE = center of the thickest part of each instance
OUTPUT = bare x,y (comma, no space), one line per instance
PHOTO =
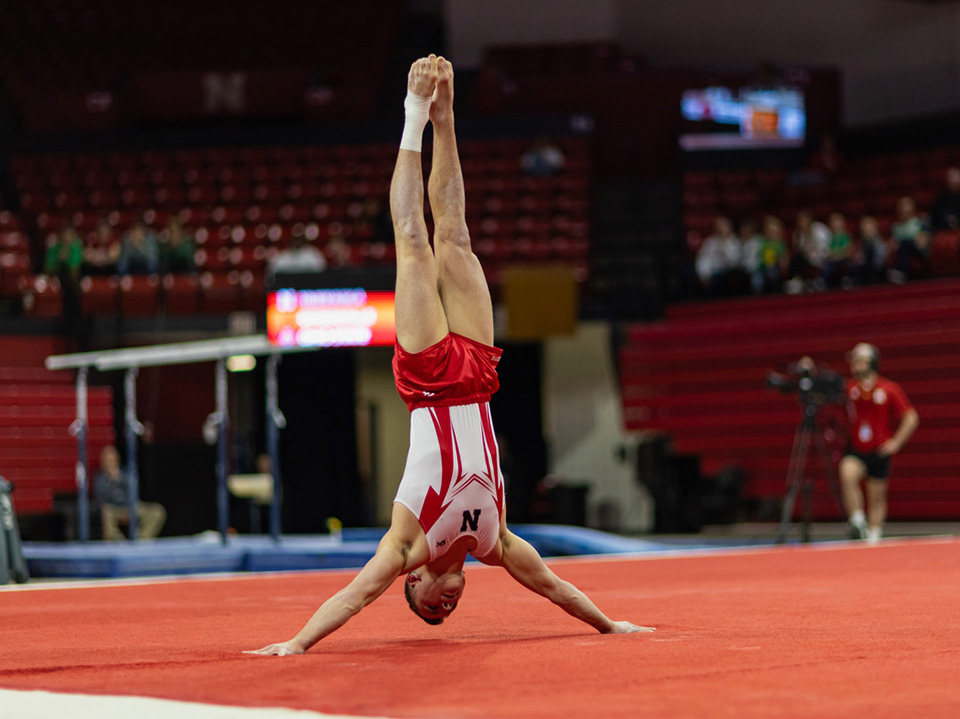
450,502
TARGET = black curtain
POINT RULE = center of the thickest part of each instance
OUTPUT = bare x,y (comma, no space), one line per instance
318,449
518,420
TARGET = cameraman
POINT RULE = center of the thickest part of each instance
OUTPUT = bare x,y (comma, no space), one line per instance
880,419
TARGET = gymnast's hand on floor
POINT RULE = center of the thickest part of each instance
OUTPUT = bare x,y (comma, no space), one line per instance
627,628
281,650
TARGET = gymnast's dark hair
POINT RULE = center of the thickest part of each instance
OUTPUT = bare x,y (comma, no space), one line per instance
408,593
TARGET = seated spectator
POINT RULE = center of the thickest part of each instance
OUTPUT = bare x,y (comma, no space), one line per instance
834,271
113,496
101,255
718,258
373,222
810,245
750,244
911,237
772,258
827,158
542,158
822,164
139,252
63,260
176,249
869,261
299,257
338,253
945,213
64,255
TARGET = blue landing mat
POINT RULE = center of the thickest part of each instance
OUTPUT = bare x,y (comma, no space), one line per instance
206,553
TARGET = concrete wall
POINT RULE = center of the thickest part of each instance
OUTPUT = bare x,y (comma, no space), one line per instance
584,427
471,26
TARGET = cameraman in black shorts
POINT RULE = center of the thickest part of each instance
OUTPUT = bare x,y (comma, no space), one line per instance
881,420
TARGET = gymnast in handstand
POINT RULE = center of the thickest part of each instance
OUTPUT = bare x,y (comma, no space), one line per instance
451,498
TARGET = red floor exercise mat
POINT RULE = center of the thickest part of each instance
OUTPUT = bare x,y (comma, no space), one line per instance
822,631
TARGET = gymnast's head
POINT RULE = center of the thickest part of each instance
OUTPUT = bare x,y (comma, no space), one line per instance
433,597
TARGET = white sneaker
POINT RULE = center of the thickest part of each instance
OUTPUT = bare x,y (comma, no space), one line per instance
856,531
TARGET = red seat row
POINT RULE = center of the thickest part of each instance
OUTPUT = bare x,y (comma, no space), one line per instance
700,377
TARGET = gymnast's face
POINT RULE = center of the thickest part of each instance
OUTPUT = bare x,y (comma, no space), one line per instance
435,597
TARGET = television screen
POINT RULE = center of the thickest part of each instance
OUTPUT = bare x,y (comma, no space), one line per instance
721,118
331,317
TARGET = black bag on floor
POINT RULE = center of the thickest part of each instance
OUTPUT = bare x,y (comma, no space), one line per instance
12,564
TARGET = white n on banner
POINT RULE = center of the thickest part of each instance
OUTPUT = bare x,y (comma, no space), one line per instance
224,92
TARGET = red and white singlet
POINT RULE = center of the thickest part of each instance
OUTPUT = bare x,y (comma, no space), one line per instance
452,480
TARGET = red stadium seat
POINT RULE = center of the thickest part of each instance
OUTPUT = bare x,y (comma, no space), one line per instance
219,292
181,294
42,296
99,295
139,295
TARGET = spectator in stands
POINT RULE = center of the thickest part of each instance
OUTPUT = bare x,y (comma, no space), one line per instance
176,249
839,251
64,256
63,260
338,253
810,244
101,255
113,496
139,251
827,158
718,258
945,213
912,239
299,258
821,165
373,222
542,158
750,244
869,261
772,258
881,420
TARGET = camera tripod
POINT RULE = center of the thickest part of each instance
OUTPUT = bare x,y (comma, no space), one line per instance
796,476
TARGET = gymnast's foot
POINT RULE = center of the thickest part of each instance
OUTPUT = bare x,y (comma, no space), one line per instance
441,109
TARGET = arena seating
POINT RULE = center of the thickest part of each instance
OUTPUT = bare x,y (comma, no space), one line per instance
868,185
243,204
15,261
37,453
699,377
96,61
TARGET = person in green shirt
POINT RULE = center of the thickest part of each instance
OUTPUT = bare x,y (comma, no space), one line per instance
176,249
839,250
64,255
771,258
63,260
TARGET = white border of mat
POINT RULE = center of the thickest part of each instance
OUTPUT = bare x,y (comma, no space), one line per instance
44,705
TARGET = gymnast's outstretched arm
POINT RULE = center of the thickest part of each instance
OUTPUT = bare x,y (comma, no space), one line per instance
372,581
525,565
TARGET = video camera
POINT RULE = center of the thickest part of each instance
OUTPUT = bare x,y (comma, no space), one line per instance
813,385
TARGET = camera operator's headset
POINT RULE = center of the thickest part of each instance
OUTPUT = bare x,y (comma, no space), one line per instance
869,349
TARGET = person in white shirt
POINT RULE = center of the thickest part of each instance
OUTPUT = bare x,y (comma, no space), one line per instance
299,257
811,247
719,255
